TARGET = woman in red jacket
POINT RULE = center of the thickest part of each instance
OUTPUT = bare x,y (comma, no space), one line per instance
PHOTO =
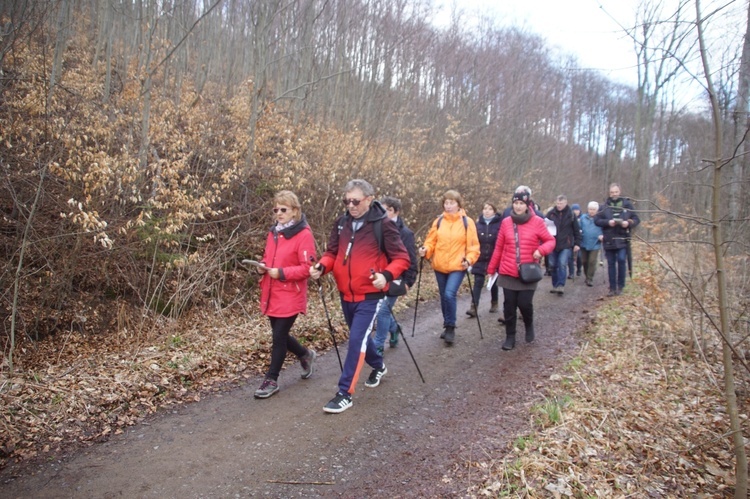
286,260
534,241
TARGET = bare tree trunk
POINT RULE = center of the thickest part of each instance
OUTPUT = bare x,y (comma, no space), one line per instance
657,50
109,27
741,126
265,12
146,103
730,394
19,267
63,16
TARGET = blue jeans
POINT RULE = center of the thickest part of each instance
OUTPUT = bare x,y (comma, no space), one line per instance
617,262
558,263
386,323
448,285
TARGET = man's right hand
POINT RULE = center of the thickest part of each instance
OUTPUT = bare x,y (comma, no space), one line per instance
422,251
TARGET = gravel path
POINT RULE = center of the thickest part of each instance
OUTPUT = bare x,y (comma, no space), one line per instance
403,438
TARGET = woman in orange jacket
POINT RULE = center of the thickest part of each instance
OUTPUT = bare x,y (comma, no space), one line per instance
452,246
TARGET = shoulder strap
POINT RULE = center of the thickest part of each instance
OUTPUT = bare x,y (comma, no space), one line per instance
378,228
463,217
518,245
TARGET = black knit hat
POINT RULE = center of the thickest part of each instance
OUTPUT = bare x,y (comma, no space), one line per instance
522,195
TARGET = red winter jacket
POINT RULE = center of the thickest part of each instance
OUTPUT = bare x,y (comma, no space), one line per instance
530,236
288,250
351,255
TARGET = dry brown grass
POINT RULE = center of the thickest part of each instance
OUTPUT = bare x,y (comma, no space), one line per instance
638,413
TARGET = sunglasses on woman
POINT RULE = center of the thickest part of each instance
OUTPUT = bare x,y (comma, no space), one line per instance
282,210
354,202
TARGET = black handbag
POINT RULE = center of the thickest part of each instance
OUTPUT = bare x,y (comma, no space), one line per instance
528,273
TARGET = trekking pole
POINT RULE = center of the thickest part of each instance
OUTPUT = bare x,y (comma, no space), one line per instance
398,327
328,316
474,301
403,337
416,303
629,257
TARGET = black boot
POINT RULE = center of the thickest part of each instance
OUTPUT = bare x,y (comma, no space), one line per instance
529,332
528,321
510,342
450,335
510,333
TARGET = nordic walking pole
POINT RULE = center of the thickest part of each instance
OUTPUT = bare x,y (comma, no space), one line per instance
403,337
328,316
416,303
398,326
473,300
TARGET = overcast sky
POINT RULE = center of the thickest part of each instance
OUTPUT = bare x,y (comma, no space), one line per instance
579,27
589,29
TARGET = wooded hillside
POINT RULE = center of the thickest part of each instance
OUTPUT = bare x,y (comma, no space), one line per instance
141,141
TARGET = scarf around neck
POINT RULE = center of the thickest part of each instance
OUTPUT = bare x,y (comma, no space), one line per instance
520,219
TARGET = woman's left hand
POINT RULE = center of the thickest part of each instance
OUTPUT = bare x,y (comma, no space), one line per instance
537,255
273,273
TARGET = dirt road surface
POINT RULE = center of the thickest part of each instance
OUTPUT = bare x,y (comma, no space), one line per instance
403,438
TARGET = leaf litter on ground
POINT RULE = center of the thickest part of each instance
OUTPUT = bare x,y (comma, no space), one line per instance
645,415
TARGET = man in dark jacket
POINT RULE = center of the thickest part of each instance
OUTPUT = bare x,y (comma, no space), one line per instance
616,218
386,322
363,268
568,239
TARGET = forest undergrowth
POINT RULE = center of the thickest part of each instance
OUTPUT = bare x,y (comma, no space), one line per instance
638,412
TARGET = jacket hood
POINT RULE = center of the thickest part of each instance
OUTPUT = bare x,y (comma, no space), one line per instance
376,212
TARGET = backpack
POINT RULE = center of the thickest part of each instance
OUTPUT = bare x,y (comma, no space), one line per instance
463,217
377,227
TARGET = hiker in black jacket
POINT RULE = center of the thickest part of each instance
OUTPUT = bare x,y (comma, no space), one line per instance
386,322
568,239
616,218
487,226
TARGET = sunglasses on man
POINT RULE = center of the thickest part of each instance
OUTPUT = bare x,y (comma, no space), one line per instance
354,202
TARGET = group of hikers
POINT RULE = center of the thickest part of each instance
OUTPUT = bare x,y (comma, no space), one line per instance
373,257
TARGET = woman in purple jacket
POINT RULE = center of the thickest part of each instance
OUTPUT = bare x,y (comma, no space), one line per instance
286,260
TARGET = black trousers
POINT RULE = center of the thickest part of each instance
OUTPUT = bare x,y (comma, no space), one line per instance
479,286
521,300
282,342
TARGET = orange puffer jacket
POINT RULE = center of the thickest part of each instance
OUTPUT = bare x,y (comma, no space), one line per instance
453,242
